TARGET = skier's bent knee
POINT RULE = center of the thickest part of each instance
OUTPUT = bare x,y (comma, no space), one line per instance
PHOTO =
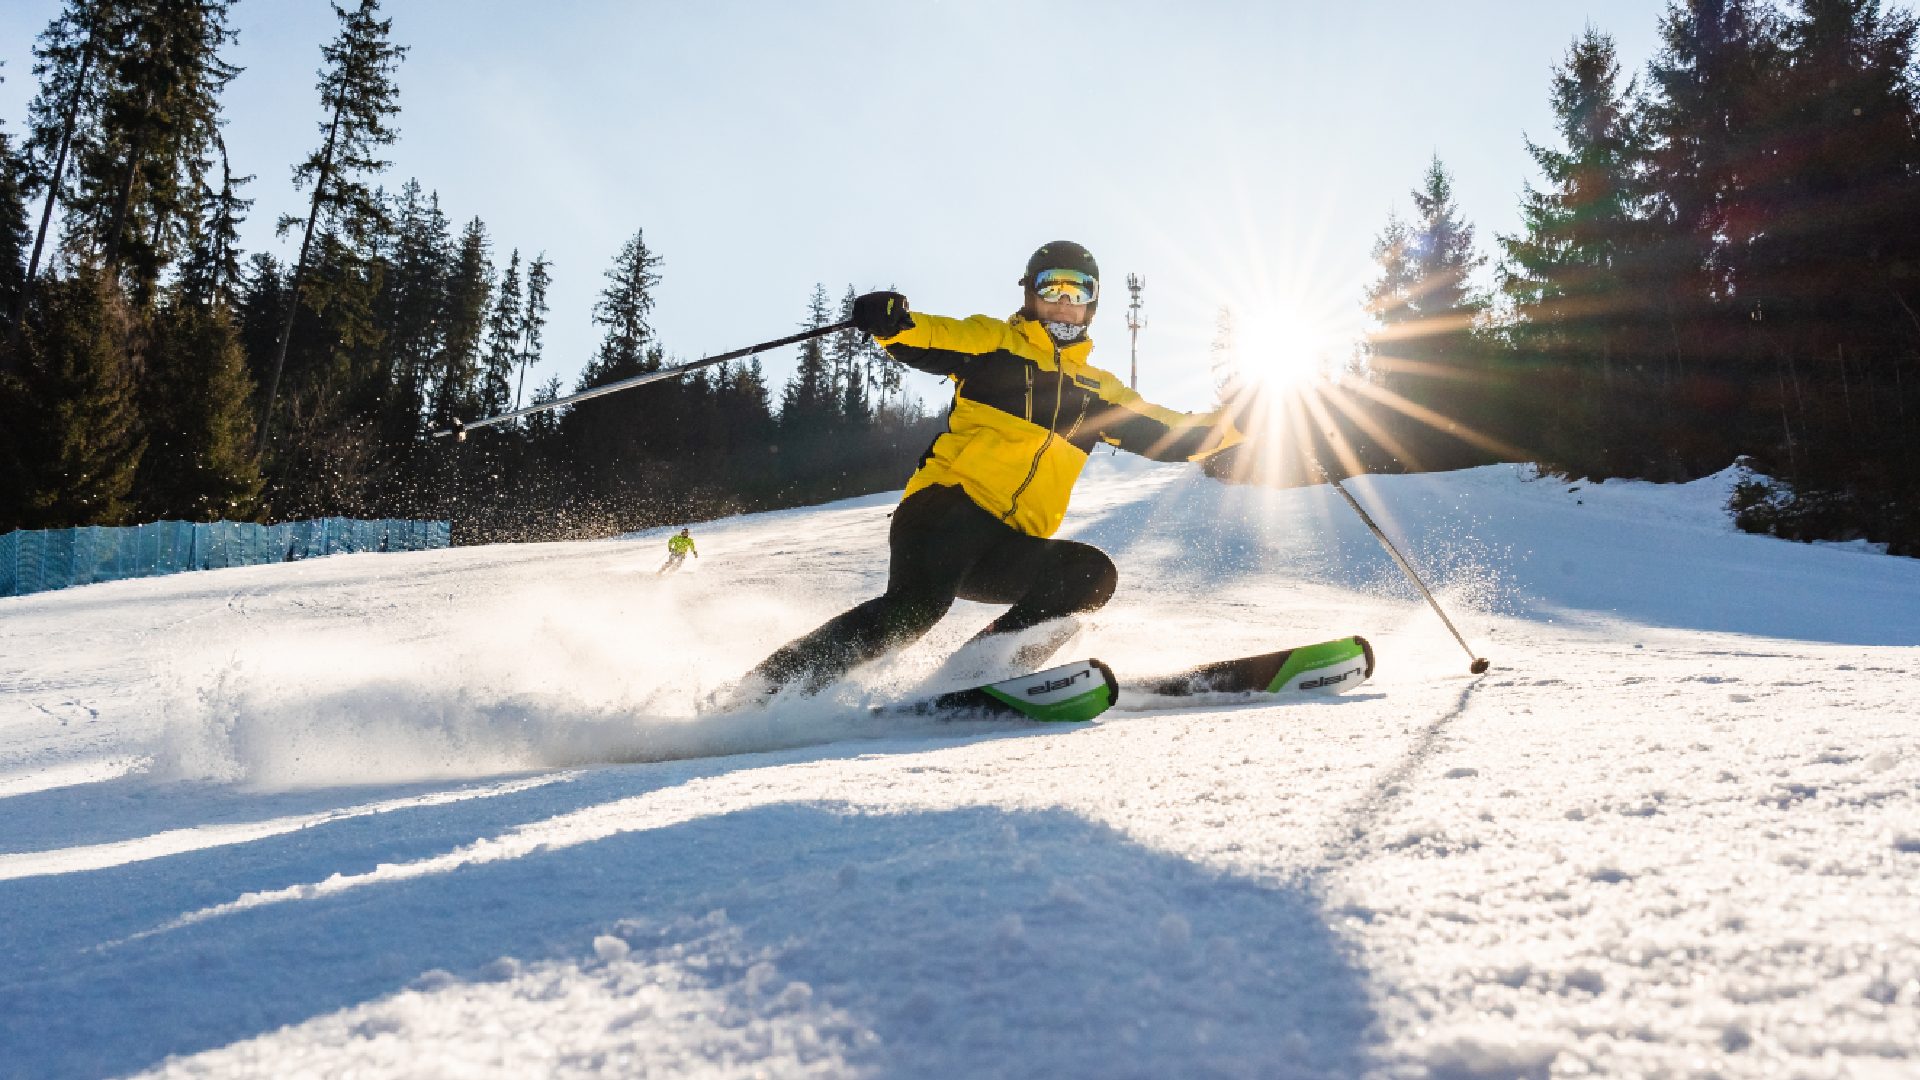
1091,578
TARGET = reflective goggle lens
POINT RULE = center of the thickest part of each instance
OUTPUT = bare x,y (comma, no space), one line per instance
1069,286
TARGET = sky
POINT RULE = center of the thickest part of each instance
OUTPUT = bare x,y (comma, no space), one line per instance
1242,154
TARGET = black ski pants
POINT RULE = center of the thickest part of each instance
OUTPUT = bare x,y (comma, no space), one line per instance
944,546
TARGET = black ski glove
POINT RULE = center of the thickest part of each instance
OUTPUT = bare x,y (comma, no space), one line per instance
882,314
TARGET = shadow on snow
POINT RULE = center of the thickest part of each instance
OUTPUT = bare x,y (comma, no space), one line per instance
1045,943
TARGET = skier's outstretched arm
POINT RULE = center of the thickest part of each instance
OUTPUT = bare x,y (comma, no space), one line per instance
930,343
1138,426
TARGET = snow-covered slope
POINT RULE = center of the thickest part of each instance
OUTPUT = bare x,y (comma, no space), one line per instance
451,813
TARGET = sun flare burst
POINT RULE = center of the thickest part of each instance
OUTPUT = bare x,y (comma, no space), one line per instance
1280,347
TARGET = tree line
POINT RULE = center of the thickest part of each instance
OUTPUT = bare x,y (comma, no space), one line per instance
1721,258
152,369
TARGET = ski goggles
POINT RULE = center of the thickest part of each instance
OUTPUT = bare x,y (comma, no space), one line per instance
1066,286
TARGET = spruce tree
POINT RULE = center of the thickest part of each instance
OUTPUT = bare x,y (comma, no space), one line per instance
69,423
197,402
1580,303
457,391
1846,114
1708,96
67,61
1564,274
1828,274
1443,254
885,378
623,309
210,271
260,307
848,359
1389,297
358,95
809,412
533,321
617,441
542,427
13,235
413,309
156,115
1426,353
1423,296
502,346
808,405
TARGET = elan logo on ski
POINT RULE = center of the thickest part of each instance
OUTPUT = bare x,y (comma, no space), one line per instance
1330,667
1059,684
1331,681
1068,693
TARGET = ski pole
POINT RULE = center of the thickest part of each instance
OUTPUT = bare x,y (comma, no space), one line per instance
459,428
1479,665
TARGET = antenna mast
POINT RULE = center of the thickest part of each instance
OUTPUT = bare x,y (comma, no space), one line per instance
1134,324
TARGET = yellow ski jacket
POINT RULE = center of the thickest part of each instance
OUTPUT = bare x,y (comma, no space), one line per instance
679,545
1026,412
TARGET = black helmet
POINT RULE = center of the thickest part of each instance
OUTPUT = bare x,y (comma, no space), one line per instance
1061,255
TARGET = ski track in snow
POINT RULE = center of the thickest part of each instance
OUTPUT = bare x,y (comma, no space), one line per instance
453,813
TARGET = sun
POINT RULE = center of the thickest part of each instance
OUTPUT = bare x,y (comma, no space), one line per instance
1279,346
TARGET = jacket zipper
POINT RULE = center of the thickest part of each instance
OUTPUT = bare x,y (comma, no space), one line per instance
1059,390
1081,418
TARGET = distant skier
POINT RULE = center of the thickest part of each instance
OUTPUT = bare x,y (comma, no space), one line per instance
977,514
678,546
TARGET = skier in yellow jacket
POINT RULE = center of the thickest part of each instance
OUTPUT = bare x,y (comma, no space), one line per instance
978,513
678,545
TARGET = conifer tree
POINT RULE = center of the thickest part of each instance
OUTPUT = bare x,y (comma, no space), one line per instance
542,427
848,359
1566,272
1846,112
155,116
1422,296
616,441
1389,297
67,61
808,405
260,308
1828,274
533,321
810,410
503,336
413,309
1425,351
1581,309
69,425
197,404
746,406
1708,92
1443,255
623,309
358,95
13,235
210,271
885,378
457,390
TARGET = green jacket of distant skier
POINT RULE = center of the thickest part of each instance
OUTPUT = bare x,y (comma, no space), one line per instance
680,544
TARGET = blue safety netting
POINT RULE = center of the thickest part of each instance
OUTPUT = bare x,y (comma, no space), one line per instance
35,561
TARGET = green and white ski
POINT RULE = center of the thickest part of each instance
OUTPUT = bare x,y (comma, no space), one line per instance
1067,693
1083,690
1330,667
